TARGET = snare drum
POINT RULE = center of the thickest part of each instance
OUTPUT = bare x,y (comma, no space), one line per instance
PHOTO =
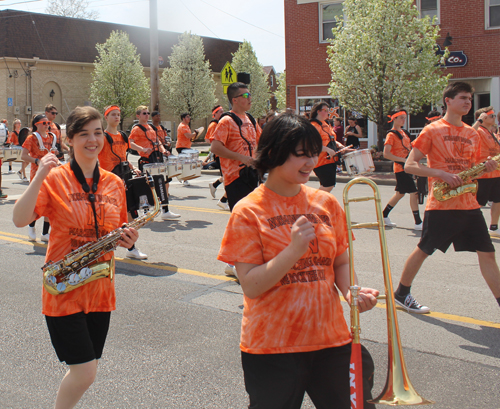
156,169
188,170
11,154
193,153
174,166
359,162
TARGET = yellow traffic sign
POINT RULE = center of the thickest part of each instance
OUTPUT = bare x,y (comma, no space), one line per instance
228,76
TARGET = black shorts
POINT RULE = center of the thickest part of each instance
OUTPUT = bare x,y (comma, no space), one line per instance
466,229
405,183
488,190
236,191
280,380
179,150
327,174
80,337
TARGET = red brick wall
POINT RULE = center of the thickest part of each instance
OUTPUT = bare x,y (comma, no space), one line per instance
464,20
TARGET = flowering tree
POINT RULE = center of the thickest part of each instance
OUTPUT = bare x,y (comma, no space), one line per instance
118,76
280,93
71,8
383,56
188,84
245,60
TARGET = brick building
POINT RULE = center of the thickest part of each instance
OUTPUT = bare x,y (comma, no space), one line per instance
472,27
49,59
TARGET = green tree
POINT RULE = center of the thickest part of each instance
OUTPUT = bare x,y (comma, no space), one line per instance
71,8
280,93
245,60
118,76
383,56
188,84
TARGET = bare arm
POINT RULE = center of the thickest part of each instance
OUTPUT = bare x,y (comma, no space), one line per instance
139,148
390,156
25,156
219,149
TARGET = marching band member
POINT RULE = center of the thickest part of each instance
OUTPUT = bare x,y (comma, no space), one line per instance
289,245
143,139
55,128
397,147
14,141
40,143
113,158
68,195
451,147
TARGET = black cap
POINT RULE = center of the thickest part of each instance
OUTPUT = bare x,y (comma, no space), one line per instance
154,113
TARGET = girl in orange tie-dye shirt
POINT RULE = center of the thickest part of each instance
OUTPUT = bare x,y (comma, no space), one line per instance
83,202
289,245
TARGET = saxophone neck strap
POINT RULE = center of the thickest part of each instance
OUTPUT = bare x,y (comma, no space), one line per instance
77,170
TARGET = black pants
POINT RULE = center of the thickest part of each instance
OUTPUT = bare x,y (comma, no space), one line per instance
279,381
236,191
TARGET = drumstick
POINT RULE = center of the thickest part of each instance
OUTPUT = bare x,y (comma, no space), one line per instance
339,152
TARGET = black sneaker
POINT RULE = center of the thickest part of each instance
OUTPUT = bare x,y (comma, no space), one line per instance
410,304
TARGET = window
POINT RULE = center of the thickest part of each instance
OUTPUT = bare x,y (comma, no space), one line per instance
493,13
328,17
428,8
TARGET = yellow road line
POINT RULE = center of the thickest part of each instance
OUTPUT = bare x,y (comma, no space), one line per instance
199,209
438,315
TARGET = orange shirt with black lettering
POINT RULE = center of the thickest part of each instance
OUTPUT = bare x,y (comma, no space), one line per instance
452,149
13,139
209,136
488,146
326,132
183,141
399,147
228,133
112,155
161,134
147,139
302,312
63,201
33,147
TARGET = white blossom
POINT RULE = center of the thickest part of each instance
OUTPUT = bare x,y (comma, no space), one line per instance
71,8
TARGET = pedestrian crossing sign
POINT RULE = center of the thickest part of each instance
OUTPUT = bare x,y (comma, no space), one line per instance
228,76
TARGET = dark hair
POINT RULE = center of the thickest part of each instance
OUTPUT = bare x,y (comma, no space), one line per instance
37,118
215,108
184,114
352,118
398,110
154,113
336,118
280,139
234,89
455,88
78,118
316,107
478,113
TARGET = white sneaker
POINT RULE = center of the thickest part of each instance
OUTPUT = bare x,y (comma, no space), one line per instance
11,172
170,216
494,233
45,237
20,174
25,179
223,206
186,183
32,233
212,189
388,222
230,271
136,253
418,227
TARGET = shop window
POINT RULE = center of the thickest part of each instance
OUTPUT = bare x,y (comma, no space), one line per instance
493,13
329,19
428,8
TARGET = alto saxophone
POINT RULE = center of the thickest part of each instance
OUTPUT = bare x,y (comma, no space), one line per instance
76,268
442,190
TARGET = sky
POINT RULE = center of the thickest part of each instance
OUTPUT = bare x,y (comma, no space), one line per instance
259,21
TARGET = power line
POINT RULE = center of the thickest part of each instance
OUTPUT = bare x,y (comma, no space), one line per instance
200,20
21,2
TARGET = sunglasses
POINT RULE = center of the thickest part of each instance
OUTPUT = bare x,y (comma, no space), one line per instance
43,123
54,113
245,95
145,113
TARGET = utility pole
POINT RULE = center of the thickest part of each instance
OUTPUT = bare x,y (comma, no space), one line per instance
153,39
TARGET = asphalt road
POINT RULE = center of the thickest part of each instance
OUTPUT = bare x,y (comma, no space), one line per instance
173,341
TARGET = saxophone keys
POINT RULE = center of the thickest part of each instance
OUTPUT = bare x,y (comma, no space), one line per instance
85,273
61,287
51,280
74,279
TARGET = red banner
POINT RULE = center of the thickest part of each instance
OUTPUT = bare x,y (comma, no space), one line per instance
356,377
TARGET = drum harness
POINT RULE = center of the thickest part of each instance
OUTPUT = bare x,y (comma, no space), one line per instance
123,168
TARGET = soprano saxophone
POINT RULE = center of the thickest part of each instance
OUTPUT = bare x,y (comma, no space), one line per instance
442,190
76,268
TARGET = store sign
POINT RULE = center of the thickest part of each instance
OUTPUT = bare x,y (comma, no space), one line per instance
455,59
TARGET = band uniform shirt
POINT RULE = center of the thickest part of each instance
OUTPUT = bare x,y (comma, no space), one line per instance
161,134
33,147
209,135
302,312
138,136
399,147
325,131
488,146
63,201
452,149
53,128
228,133
13,139
183,141
107,159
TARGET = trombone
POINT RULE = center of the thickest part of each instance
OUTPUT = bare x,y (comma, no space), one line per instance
398,389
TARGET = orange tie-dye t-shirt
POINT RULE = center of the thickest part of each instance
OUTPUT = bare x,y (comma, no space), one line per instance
488,146
13,139
107,159
302,312
161,134
138,136
63,201
209,136
399,147
33,147
325,131
452,149
228,133
183,141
